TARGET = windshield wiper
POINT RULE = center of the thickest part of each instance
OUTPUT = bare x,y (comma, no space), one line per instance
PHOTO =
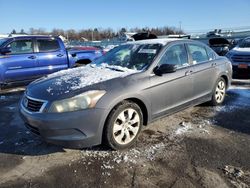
115,68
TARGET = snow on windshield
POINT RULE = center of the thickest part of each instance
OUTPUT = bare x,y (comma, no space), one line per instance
77,78
131,56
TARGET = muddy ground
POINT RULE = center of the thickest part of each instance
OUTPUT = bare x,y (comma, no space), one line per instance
199,147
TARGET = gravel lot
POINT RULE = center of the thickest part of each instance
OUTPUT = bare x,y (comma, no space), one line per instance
199,147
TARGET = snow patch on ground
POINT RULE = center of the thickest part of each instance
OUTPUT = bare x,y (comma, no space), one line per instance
241,94
225,108
137,156
185,127
132,156
233,87
12,90
188,127
11,108
2,97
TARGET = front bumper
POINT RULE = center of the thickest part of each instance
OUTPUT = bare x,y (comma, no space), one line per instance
72,129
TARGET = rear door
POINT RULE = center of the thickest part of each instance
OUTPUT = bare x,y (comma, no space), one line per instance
51,56
172,91
21,63
204,65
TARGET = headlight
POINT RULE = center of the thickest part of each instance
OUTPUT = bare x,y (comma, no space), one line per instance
79,102
225,48
229,55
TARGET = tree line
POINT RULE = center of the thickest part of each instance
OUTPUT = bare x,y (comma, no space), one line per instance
99,33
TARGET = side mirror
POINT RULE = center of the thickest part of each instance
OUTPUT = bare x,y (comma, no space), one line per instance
5,50
164,69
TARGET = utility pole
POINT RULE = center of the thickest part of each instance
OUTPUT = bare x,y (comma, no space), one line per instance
180,25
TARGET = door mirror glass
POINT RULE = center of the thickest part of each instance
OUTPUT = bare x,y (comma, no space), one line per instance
5,50
164,69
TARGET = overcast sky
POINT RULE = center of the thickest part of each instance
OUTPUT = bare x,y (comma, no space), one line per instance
79,14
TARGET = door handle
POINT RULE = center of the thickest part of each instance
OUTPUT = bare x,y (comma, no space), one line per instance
32,57
214,64
188,72
59,55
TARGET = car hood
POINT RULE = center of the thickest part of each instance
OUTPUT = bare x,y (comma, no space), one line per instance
68,83
218,42
238,50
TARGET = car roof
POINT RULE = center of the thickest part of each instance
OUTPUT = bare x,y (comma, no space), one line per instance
32,36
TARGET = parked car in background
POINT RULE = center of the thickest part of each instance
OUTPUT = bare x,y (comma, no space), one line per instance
220,45
108,48
91,48
25,58
240,58
143,36
236,42
109,100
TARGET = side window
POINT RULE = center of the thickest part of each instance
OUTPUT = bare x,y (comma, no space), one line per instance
176,55
21,47
46,45
198,53
211,54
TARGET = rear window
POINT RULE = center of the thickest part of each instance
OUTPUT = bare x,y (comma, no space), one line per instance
211,54
46,45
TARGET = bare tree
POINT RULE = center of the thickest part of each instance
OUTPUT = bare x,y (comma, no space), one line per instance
100,34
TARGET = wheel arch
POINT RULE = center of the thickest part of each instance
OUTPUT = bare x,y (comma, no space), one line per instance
135,100
142,107
225,77
83,62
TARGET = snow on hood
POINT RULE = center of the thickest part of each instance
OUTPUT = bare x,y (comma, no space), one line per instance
77,78
238,49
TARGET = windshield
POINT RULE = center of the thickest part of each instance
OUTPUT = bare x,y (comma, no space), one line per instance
2,41
245,43
130,56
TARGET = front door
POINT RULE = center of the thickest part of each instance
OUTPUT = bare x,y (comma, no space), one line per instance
173,90
21,63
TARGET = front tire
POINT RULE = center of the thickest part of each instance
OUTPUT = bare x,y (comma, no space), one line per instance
219,92
123,126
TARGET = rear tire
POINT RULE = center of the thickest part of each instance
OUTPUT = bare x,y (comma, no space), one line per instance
219,92
123,126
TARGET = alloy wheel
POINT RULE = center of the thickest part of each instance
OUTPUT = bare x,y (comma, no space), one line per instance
220,91
126,126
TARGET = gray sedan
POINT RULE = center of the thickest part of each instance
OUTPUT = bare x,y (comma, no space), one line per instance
109,100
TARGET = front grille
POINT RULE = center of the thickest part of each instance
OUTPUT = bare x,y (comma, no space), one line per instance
33,105
241,58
